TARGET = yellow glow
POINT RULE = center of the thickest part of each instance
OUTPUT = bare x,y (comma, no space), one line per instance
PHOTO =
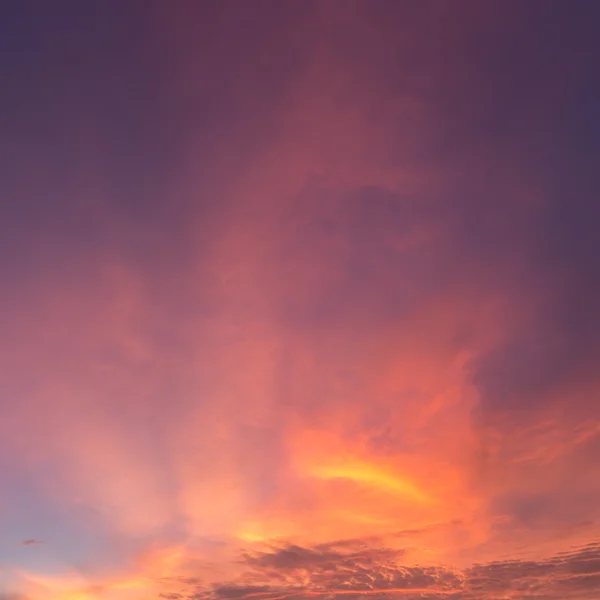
373,476
251,537
362,518
257,531
131,584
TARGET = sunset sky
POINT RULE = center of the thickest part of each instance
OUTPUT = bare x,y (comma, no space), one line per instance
300,299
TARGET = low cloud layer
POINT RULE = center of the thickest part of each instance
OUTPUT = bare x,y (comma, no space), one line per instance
358,572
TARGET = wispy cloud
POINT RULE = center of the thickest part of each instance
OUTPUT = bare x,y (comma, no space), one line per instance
31,542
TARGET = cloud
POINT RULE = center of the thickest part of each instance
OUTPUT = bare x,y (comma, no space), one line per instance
314,282
31,542
298,572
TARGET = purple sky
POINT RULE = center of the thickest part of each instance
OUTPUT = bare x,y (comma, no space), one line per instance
299,299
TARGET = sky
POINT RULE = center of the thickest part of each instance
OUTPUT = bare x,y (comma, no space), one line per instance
299,299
